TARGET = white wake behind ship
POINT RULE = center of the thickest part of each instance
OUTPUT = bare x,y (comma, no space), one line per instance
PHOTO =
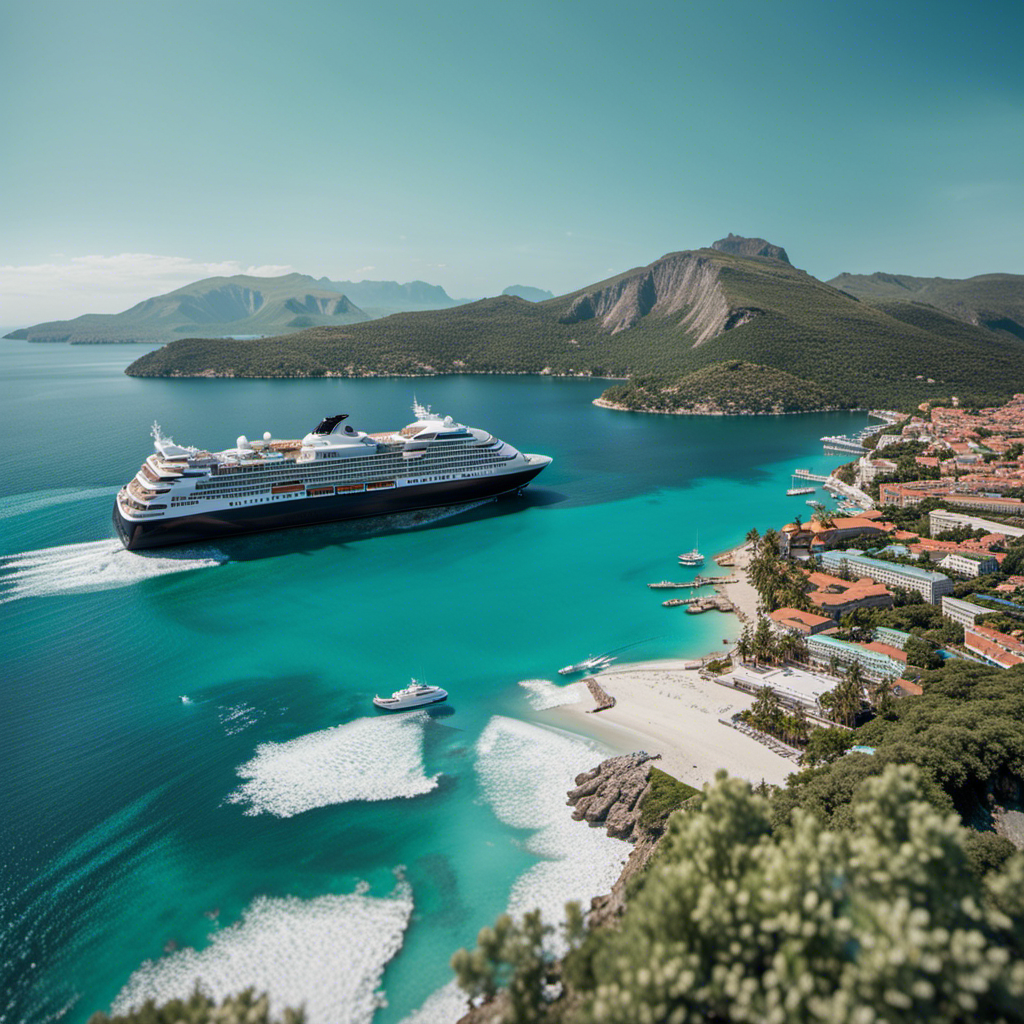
185,494
417,695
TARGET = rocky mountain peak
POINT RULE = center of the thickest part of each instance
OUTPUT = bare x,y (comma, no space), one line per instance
737,245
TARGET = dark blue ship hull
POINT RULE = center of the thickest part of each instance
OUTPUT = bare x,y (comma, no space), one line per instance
233,522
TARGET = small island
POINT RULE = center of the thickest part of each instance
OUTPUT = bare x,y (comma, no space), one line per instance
733,388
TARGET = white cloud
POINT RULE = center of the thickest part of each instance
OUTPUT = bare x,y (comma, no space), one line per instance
31,293
362,270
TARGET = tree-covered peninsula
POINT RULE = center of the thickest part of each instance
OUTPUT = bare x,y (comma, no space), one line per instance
734,388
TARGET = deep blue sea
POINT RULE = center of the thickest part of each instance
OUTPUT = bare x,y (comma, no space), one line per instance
193,782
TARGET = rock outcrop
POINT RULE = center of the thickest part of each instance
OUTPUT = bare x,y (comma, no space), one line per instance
611,794
680,283
740,246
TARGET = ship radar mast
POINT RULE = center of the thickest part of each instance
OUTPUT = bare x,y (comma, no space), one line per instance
422,412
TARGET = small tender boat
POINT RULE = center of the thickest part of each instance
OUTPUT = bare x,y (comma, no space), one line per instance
416,695
591,664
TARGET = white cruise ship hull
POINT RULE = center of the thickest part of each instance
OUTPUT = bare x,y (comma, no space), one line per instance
302,510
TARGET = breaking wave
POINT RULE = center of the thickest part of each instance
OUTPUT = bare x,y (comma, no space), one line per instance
525,771
96,565
368,759
443,1006
543,694
328,953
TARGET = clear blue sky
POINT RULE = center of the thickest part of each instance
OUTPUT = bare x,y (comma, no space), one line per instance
481,145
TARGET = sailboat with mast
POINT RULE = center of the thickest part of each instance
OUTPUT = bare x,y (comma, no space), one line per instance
692,558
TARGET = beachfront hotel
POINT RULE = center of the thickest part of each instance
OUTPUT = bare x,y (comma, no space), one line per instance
930,585
877,660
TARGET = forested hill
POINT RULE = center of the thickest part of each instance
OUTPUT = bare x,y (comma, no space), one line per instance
993,301
685,311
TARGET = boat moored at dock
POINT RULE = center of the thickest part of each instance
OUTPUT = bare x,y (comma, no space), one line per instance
184,494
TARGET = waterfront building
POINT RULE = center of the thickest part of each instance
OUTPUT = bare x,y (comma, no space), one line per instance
877,661
930,585
942,519
804,623
963,613
835,597
995,647
969,565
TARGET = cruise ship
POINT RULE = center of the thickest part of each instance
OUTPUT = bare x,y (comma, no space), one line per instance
183,494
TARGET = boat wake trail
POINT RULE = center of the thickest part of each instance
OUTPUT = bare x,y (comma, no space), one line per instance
368,759
22,504
328,953
96,565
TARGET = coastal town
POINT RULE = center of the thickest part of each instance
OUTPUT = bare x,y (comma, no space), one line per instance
845,612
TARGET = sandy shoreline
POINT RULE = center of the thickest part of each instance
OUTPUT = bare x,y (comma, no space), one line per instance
665,707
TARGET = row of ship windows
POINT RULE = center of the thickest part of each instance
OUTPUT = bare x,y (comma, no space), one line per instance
284,497
229,486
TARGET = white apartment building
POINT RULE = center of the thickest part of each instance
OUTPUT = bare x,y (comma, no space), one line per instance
963,613
942,519
969,565
930,585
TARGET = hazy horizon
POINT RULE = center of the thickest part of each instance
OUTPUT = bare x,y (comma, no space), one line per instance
479,147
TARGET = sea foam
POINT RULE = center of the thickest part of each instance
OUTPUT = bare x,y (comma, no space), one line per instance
543,694
368,759
525,772
328,953
96,565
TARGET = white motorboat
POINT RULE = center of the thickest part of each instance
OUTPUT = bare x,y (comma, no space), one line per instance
417,695
591,664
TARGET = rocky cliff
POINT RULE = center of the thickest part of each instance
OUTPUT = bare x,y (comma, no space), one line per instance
683,284
740,246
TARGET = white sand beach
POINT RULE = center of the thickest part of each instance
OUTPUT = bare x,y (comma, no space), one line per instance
665,708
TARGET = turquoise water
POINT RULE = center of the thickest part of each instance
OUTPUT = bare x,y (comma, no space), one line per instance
127,836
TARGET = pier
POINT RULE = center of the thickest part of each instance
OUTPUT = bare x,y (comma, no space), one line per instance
806,474
700,581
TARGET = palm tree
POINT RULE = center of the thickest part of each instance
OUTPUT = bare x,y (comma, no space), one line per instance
833,665
753,537
745,644
762,641
766,711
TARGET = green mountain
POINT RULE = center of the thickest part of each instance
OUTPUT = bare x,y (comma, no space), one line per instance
683,312
993,301
211,308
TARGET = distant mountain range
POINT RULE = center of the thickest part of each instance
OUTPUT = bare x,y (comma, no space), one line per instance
524,291
219,307
739,300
